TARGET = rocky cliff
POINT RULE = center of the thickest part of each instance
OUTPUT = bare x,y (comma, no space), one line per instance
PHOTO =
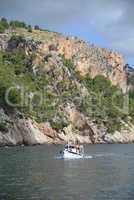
70,70
87,58
20,131
130,77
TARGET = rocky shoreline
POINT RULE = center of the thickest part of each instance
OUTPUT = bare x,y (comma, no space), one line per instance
28,132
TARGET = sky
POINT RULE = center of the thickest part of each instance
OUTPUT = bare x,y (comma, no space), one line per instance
107,23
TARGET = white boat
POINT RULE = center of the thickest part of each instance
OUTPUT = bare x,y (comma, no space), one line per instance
73,151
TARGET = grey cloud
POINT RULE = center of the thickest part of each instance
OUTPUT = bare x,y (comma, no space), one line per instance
109,19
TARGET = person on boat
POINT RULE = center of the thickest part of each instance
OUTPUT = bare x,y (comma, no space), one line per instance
77,146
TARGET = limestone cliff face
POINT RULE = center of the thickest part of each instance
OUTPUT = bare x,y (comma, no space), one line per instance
4,38
23,131
46,53
87,58
130,77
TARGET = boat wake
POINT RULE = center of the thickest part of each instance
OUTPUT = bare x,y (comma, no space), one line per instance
84,157
88,157
95,156
104,155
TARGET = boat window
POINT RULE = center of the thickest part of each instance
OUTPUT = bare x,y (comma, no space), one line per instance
71,147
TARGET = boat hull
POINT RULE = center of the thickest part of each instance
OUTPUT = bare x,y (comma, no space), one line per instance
71,155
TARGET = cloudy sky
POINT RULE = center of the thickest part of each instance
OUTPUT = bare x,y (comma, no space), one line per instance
107,23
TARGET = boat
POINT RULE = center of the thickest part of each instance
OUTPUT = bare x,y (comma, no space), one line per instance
73,151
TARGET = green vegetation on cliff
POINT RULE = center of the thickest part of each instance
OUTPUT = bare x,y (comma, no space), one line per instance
41,91
14,24
131,105
3,25
15,72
